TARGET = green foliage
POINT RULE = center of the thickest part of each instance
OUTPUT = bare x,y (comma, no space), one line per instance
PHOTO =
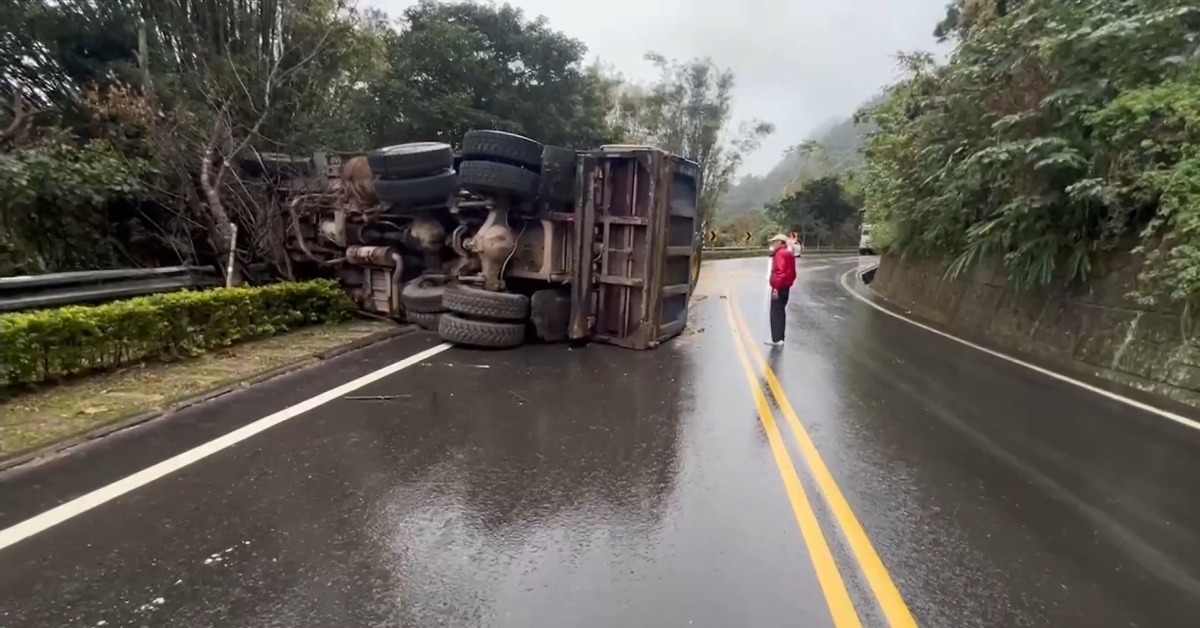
732,232
458,66
1057,130
178,85
687,112
51,197
46,345
964,15
823,210
832,149
1155,133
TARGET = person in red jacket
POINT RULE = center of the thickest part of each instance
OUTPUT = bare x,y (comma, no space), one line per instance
783,275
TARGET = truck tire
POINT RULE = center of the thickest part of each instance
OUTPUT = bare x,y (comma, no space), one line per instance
464,331
493,178
425,320
432,189
558,174
420,296
415,159
508,148
484,304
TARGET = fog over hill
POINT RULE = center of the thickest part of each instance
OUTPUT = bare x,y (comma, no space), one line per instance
842,140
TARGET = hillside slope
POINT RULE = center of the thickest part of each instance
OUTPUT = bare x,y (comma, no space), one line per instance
842,140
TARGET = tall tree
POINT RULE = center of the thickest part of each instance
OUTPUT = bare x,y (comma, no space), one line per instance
1058,130
822,209
463,65
687,112
189,86
963,15
831,149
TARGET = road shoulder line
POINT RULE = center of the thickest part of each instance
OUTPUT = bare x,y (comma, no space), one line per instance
75,507
1133,403
65,447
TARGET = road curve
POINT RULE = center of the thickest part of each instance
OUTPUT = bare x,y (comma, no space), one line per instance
867,473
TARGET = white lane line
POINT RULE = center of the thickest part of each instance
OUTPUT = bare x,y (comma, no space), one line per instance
1134,403
84,503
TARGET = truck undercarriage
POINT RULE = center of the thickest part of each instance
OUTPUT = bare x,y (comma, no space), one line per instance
502,240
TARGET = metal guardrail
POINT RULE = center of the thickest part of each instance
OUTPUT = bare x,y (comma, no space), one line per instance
30,292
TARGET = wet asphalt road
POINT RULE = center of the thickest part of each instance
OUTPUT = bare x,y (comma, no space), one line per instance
599,487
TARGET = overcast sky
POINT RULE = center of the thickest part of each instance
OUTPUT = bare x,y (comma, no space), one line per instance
799,63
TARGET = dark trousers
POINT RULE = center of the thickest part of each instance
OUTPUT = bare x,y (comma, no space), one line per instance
779,314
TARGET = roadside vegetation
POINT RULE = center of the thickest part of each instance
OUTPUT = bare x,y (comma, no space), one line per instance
68,370
814,191
122,125
48,345
121,121
80,405
823,205
1058,131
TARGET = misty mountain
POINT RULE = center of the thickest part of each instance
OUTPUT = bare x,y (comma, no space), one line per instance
842,141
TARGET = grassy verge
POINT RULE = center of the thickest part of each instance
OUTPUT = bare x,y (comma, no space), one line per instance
39,418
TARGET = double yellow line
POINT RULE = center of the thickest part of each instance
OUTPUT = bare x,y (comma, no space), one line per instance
841,608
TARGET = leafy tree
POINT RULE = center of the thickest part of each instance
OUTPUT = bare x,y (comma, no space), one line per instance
963,15
36,182
1058,129
188,87
822,210
687,112
464,65
832,149
171,94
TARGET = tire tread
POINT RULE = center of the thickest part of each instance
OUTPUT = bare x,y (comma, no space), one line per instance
478,303
491,334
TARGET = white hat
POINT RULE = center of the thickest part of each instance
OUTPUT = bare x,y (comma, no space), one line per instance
779,237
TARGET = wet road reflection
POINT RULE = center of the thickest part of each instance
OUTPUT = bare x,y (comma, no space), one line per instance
994,495
551,486
546,486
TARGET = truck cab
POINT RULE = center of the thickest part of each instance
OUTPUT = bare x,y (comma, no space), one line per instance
866,246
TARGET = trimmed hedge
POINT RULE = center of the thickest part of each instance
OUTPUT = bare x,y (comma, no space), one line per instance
51,344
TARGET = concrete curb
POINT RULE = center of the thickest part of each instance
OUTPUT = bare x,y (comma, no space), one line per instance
45,451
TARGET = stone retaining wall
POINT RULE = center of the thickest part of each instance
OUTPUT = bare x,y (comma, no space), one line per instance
1094,328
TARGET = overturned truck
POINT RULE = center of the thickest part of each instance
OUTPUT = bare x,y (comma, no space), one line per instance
504,241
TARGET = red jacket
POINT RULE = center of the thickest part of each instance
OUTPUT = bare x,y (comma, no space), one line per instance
783,268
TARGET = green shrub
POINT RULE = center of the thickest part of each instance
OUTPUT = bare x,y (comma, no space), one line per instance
1055,133
50,344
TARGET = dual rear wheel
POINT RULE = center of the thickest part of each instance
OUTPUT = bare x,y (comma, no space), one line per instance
481,318
467,315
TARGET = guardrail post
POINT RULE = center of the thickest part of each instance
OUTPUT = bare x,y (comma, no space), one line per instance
232,254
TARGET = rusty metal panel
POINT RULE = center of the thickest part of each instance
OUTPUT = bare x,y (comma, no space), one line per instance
582,249
679,228
643,204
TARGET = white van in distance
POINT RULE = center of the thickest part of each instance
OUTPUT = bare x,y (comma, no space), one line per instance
865,245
